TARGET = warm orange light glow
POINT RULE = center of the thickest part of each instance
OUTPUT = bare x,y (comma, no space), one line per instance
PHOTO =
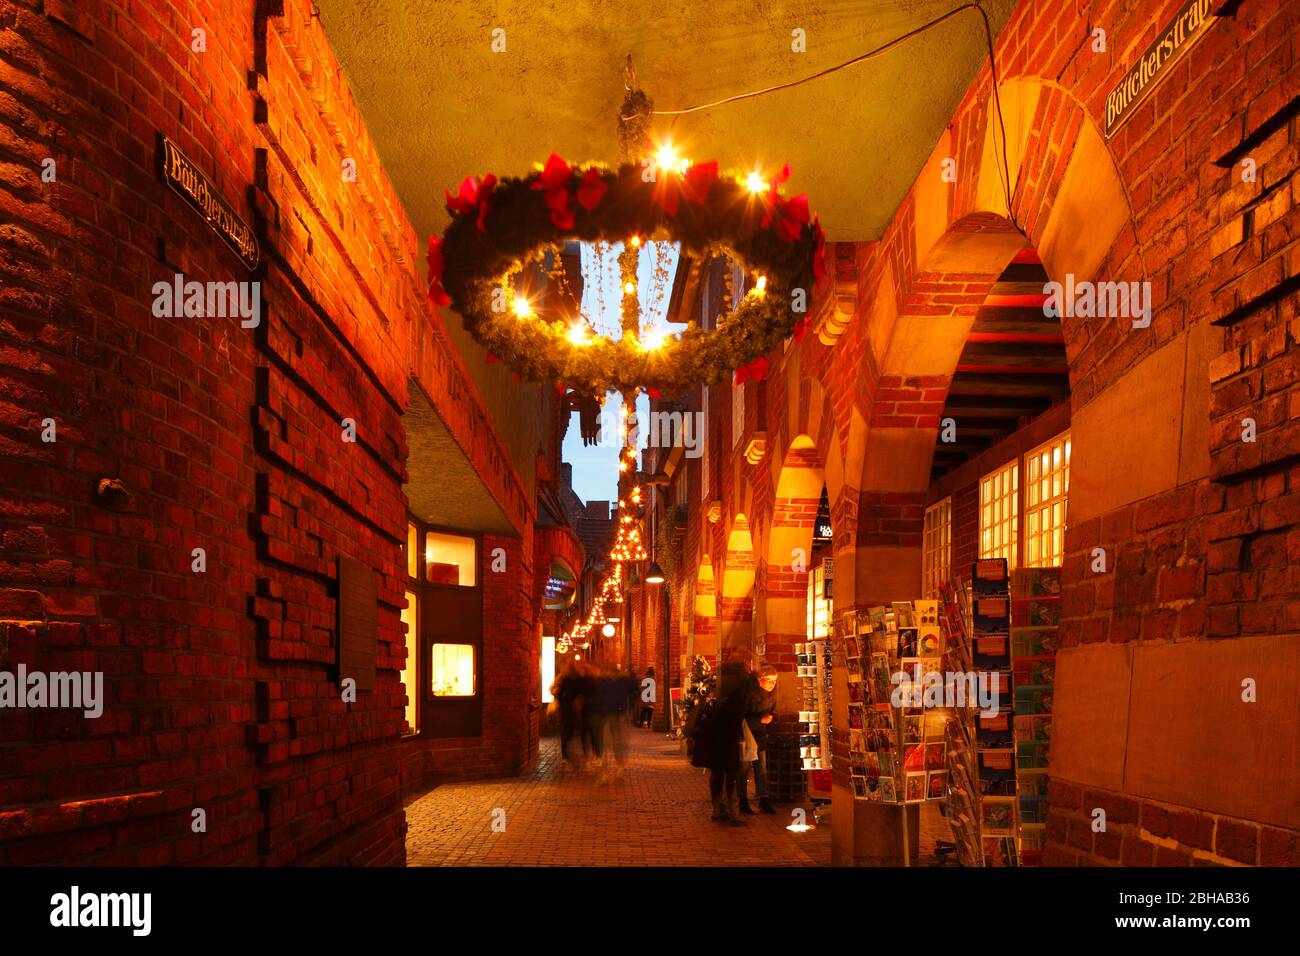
667,157
636,242
578,334
522,307
629,288
755,183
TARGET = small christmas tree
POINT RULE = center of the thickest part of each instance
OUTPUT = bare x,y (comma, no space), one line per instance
702,686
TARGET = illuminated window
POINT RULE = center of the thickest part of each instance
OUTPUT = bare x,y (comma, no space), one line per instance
999,513
1047,484
412,550
936,558
451,667
548,668
410,680
819,599
450,559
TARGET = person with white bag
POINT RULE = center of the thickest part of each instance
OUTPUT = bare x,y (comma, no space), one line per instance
761,712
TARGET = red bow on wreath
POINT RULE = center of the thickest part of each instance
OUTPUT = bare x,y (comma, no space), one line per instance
437,294
554,181
787,216
693,185
474,196
755,371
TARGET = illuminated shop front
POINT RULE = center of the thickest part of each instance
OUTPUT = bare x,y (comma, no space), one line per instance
444,638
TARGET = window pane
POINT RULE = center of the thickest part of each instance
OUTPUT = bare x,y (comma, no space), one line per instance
998,492
548,668
450,559
451,667
411,668
1046,510
412,550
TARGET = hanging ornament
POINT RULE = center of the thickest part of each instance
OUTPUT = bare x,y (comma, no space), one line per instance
499,227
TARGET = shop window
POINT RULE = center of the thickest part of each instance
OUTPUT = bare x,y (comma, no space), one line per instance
548,668
1000,512
450,559
1047,484
412,550
936,555
451,669
410,680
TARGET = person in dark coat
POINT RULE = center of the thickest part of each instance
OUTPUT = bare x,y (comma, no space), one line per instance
718,736
761,712
567,694
588,715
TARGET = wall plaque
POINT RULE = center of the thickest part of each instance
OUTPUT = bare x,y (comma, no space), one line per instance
358,622
1187,26
188,182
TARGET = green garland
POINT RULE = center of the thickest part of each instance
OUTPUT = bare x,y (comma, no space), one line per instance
481,247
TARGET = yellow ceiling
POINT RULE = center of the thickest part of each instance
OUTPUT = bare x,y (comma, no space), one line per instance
440,104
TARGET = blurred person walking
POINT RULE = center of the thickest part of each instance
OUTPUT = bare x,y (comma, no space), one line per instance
568,689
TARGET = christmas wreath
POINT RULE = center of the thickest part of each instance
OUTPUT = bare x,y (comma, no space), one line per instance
499,226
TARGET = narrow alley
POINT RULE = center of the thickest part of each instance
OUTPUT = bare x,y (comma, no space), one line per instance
657,815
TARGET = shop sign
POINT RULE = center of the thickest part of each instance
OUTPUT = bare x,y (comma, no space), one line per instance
1187,26
561,587
188,182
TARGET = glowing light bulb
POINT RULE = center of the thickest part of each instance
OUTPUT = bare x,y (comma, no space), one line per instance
760,288
522,307
667,157
629,288
636,242
654,338
577,334
755,183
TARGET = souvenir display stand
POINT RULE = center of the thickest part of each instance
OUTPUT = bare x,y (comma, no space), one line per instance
897,724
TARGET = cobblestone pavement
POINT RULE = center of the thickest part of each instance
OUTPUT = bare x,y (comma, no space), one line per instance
656,815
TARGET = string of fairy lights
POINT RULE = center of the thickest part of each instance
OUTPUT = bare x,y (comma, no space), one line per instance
628,548
629,544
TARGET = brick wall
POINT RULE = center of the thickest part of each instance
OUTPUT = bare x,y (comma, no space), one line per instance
1198,525
221,686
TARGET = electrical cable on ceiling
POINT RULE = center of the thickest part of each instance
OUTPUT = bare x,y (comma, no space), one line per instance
1003,167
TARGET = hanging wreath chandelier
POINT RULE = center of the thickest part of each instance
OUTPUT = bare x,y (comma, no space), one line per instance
500,227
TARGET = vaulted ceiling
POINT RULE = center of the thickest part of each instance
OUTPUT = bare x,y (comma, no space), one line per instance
440,104
1012,367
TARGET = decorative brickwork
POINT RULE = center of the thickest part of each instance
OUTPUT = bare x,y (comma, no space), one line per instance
222,686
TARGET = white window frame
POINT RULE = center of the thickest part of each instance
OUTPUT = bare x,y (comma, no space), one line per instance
999,516
936,552
1046,492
